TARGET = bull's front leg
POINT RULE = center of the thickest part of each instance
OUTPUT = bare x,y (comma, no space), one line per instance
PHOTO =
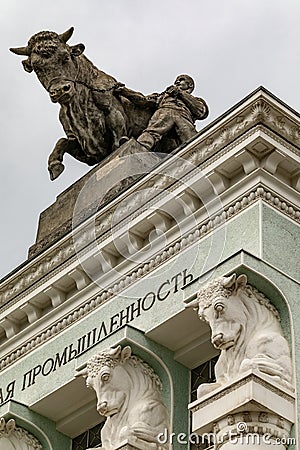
55,165
55,161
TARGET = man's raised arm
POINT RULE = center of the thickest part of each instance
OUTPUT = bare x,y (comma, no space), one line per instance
196,105
136,97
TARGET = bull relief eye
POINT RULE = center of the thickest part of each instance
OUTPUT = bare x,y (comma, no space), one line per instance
105,376
219,307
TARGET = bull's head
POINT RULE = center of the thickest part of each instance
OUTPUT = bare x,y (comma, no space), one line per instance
225,316
53,61
105,374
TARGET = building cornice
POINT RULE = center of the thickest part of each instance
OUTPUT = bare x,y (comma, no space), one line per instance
252,145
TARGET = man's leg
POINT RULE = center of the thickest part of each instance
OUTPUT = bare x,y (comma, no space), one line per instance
185,130
160,123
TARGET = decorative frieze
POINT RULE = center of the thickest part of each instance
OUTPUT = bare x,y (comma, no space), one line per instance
255,428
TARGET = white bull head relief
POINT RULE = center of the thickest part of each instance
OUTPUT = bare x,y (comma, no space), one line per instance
245,326
128,395
13,437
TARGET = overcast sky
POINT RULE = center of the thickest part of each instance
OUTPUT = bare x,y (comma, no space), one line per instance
230,47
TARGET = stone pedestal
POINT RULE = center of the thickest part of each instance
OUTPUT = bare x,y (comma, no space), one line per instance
131,160
250,412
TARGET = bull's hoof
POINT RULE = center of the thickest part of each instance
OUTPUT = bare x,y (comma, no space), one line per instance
123,140
55,169
206,388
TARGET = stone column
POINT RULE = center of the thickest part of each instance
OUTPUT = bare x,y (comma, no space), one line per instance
249,412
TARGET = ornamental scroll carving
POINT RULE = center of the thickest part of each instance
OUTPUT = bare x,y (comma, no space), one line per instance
16,438
245,326
129,396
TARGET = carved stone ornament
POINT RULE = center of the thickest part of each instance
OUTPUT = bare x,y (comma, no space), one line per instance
245,327
129,396
98,113
16,438
252,433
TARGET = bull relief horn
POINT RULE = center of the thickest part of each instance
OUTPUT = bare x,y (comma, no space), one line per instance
228,282
2,423
23,51
82,373
66,35
115,352
194,304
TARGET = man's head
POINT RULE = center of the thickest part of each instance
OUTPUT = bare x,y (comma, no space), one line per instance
185,83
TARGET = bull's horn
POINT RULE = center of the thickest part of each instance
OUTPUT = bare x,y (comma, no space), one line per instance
2,424
24,51
193,304
229,281
82,373
114,352
66,35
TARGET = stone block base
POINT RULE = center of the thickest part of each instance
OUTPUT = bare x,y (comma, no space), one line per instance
251,407
110,177
251,392
132,160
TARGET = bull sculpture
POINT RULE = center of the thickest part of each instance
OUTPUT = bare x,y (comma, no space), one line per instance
129,396
245,327
95,118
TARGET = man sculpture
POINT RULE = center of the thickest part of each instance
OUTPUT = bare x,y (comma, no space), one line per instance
175,108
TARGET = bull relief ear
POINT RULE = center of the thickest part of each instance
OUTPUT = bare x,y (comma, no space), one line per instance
27,65
10,426
77,50
126,353
241,281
